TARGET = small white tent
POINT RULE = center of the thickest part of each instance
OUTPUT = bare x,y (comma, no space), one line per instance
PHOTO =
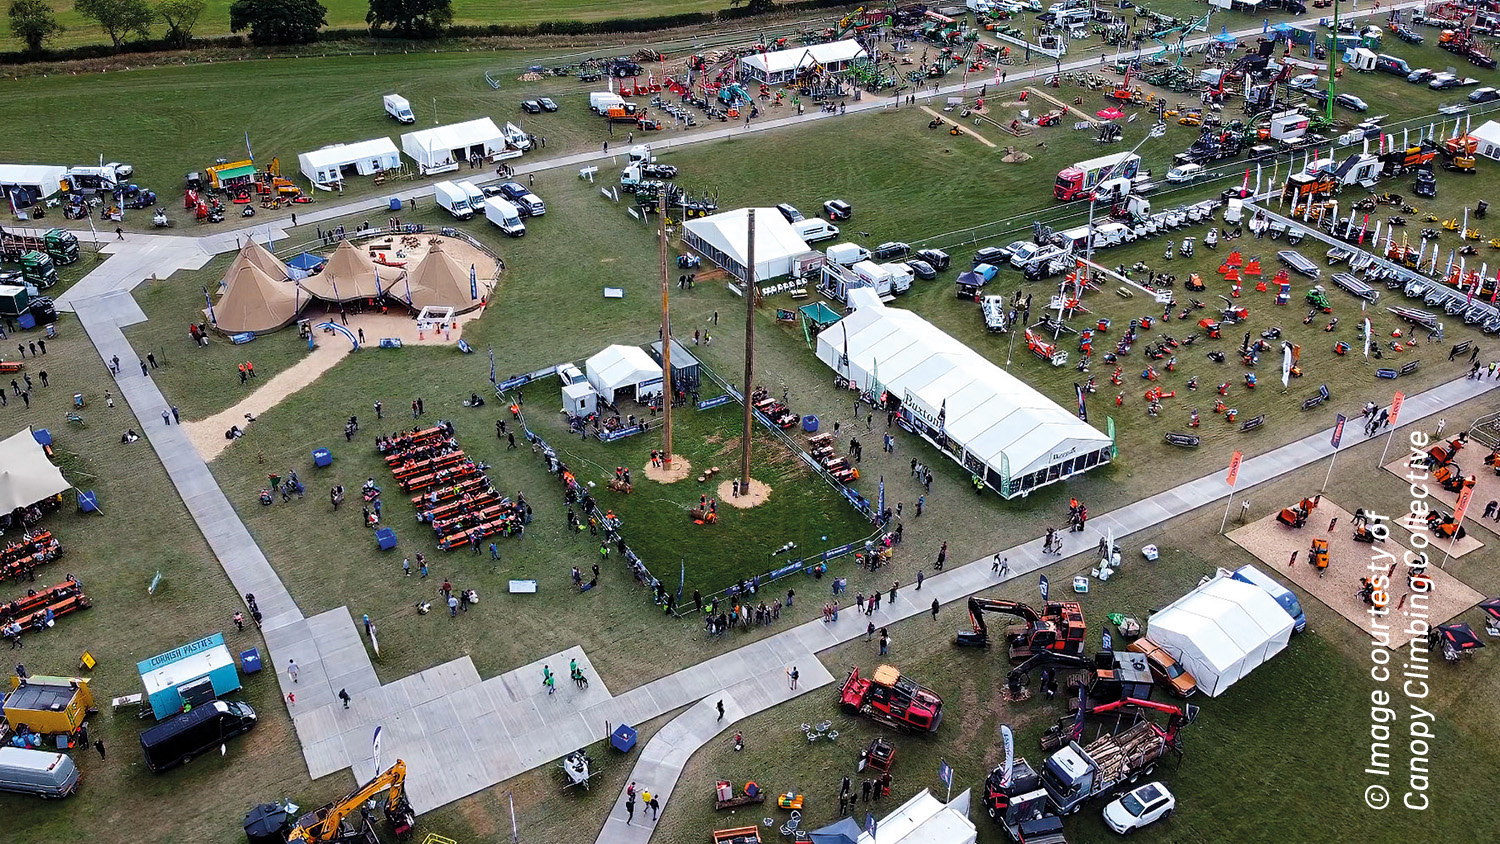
443,148
1221,631
326,166
1488,136
624,372
925,819
724,239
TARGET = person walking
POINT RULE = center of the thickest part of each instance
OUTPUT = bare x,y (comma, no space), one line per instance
629,798
919,580
721,710
885,642
793,675
942,557
655,806
934,608
547,680
1442,423
99,746
344,696
291,669
894,584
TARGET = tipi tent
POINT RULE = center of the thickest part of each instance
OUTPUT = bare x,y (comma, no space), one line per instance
254,301
26,475
1221,631
439,280
349,275
261,257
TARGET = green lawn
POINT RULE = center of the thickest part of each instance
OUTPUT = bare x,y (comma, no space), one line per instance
350,14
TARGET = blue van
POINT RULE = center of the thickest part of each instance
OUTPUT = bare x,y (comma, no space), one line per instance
1281,594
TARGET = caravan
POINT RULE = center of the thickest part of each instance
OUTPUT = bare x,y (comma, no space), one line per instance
874,275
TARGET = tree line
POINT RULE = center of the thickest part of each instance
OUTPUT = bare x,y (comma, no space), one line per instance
267,21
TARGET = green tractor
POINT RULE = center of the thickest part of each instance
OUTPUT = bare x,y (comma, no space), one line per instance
1319,299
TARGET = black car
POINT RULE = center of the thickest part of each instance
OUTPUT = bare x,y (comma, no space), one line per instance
531,106
995,256
1426,184
837,209
937,258
921,269
891,250
791,214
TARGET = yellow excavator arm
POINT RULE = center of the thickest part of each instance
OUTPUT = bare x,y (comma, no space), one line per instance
328,826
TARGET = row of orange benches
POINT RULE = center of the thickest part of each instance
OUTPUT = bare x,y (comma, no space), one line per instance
455,498
32,611
33,549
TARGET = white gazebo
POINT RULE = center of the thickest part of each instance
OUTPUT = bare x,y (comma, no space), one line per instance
724,240
777,66
23,185
326,167
992,423
443,148
624,372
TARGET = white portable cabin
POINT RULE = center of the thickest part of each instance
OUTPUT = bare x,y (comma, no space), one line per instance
1360,59
327,166
443,149
580,399
1221,631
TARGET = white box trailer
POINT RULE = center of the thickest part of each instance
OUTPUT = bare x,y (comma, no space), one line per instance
847,254
399,109
901,276
504,215
453,198
874,275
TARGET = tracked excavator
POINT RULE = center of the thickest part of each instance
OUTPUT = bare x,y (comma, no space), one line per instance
1058,628
347,822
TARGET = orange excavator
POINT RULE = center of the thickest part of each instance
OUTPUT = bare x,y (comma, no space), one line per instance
344,822
1058,627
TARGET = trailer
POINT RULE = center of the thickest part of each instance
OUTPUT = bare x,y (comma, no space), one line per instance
61,246
1078,180
1076,774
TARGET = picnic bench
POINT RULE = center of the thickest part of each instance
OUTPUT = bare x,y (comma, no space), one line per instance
738,835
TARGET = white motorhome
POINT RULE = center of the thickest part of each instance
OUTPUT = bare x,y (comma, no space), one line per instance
847,254
874,275
901,276
453,198
399,109
505,216
600,102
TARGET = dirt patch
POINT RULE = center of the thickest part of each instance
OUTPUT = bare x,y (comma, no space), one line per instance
1015,156
758,494
662,475
1348,561
960,127
1486,486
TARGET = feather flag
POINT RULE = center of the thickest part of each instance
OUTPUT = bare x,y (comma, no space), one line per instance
1083,411
1369,334
473,283
1286,364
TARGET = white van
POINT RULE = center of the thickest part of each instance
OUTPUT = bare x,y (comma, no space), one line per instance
398,108
1185,173
815,230
453,198
503,214
901,276
847,254
44,773
476,196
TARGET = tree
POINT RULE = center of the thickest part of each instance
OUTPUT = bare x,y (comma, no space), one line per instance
411,18
755,7
278,21
34,22
118,18
180,16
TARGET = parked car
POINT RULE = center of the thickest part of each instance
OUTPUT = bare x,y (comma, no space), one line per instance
791,214
1024,251
837,209
1164,667
1484,95
1143,806
1443,81
531,106
1426,184
1184,173
936,257
921,269
513,190
891,249
1421,74
547,104
987,272
1352,102
996,254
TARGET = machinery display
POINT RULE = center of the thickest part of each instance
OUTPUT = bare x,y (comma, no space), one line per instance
347,822
891,698
1059,627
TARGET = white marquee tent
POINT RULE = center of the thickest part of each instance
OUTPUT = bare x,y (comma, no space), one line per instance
994,424
724,239
25,184
443,148
1488,136
924,819
1221,631
625,369
26,474
783,65
326,166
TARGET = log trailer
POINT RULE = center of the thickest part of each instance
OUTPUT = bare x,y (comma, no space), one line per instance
1058,628
893,699
1076,774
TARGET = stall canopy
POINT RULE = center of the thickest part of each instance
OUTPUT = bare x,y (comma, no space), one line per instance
349,275
925,819
439,281
304,265
1221,631
447,146
623,368
994,424
26,475
724,238
254,302
326,166
782,65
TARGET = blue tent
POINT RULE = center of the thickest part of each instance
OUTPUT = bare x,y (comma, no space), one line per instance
845,831
307,262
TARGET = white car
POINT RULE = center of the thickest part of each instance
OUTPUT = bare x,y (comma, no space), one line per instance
124,171
1185,173
1141,807
1305,82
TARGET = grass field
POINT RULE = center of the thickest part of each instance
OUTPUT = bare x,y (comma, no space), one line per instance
350,14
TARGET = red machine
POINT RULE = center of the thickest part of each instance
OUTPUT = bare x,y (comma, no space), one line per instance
893,699
1058,627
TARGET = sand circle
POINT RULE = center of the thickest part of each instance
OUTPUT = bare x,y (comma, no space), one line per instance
662,475
757,495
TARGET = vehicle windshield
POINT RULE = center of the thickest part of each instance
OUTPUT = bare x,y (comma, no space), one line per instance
1173,670
1132,804
1294,607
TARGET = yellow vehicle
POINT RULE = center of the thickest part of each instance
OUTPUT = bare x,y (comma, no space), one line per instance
1472,234
340,821
48,705
1192,118
1450,225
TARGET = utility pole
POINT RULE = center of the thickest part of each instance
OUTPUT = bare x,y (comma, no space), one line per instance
749,345
666,338
1333,61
